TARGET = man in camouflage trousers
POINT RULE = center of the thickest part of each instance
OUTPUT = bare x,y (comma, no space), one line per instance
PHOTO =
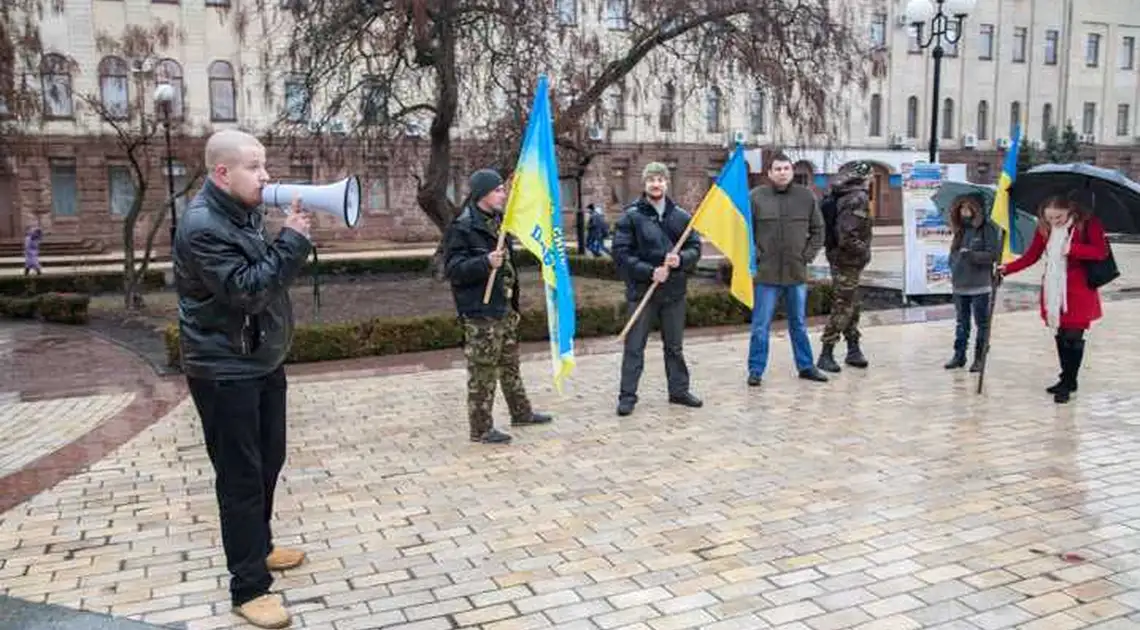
490,331
847,214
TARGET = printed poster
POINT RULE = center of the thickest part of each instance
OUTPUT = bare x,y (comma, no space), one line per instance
926,236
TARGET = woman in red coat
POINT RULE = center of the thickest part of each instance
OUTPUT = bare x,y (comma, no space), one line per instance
1068,239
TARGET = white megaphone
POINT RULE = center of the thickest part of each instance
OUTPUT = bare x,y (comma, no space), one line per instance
341,199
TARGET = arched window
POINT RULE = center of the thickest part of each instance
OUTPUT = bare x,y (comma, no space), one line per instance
223,94
758,112
169,71
1046,120
876,114
983,130
912,117
948,118
114,88
55,83
713,109
668,107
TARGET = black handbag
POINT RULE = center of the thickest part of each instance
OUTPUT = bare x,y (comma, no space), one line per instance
1100,272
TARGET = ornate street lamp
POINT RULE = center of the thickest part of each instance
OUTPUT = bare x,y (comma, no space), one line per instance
940,14
164,100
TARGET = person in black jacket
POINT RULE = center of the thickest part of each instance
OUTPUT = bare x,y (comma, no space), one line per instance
643,240
490,331
235,325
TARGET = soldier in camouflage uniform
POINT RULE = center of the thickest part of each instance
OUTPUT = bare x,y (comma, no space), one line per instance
847,214
490,331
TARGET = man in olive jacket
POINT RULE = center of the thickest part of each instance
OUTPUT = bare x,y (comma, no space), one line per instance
643,242
235,325
789,233
490,331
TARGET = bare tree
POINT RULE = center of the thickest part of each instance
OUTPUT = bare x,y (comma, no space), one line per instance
399,65
136,128
20,50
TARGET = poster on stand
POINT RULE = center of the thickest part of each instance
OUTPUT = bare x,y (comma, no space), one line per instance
926,236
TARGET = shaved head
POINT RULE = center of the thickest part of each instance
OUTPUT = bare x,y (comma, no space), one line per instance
235,161
225,147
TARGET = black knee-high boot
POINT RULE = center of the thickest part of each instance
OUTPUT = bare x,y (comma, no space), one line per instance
1060,345
1072,353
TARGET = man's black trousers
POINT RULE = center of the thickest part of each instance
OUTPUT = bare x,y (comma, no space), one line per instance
244,425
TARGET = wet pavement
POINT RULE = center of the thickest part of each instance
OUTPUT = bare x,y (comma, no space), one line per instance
891,498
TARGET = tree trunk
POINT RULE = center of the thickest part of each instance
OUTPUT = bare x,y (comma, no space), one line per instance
432,193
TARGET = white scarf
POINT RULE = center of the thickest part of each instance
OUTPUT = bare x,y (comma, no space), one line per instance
1055,283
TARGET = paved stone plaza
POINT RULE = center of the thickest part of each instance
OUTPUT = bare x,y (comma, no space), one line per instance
894,498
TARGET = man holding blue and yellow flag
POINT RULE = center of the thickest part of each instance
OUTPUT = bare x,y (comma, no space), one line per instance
473,253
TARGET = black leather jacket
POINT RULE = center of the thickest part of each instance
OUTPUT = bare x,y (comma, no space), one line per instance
466,244
641,240
234,314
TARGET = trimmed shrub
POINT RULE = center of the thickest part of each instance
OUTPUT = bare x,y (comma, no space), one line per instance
64,308
107,282
19,307
379,337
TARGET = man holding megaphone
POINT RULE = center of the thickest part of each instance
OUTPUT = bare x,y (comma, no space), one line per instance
236,326
490,327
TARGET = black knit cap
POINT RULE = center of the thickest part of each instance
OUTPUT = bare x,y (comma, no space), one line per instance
483,182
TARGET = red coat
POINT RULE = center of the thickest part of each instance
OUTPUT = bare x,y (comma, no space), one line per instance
1089,243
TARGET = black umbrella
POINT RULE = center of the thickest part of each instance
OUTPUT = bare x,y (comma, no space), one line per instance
1111,196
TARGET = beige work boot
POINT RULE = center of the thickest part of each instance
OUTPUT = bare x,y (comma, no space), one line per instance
266,611
283,558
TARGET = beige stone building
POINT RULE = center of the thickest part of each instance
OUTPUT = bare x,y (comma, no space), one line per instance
1044,61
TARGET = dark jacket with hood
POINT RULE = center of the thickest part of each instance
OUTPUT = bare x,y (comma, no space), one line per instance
468,240
641,240
974,250
235,318
848,242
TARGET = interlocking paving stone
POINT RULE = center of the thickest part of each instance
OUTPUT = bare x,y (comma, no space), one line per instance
890,498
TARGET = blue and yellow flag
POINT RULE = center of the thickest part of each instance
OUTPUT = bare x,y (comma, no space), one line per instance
1002,213
725,218
534,216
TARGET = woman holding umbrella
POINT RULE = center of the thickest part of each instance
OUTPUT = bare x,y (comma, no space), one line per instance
1068,239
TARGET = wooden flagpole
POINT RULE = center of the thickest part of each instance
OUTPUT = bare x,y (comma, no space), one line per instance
495,270
653,287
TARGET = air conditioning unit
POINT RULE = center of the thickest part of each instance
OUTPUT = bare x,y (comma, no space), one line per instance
414,129
314,126
1003,143
901,20
738,137
595,133
337,125
970,141
1087,138
896,140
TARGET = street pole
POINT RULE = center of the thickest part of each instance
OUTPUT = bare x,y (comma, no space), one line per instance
944,18
170,178
580,228
937,54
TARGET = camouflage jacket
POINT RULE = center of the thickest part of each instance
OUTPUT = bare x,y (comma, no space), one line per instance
851,245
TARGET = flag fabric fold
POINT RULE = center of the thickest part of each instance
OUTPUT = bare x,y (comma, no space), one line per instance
724,217
534,216
1002,213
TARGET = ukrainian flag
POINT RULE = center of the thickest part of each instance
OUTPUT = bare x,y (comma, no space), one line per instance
1002,214
534,216
725,218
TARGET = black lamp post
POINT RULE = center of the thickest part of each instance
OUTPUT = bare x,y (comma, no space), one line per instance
940,14
164,100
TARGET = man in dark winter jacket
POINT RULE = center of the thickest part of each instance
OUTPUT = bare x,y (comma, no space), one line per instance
643,242
490,331
847,213
236,325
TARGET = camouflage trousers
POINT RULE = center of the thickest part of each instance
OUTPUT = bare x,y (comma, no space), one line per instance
845,307
492,350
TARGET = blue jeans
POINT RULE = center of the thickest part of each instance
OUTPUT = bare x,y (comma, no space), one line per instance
764,307
965,306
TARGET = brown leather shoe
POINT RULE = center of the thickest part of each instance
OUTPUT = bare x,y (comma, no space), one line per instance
265,611
283,558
